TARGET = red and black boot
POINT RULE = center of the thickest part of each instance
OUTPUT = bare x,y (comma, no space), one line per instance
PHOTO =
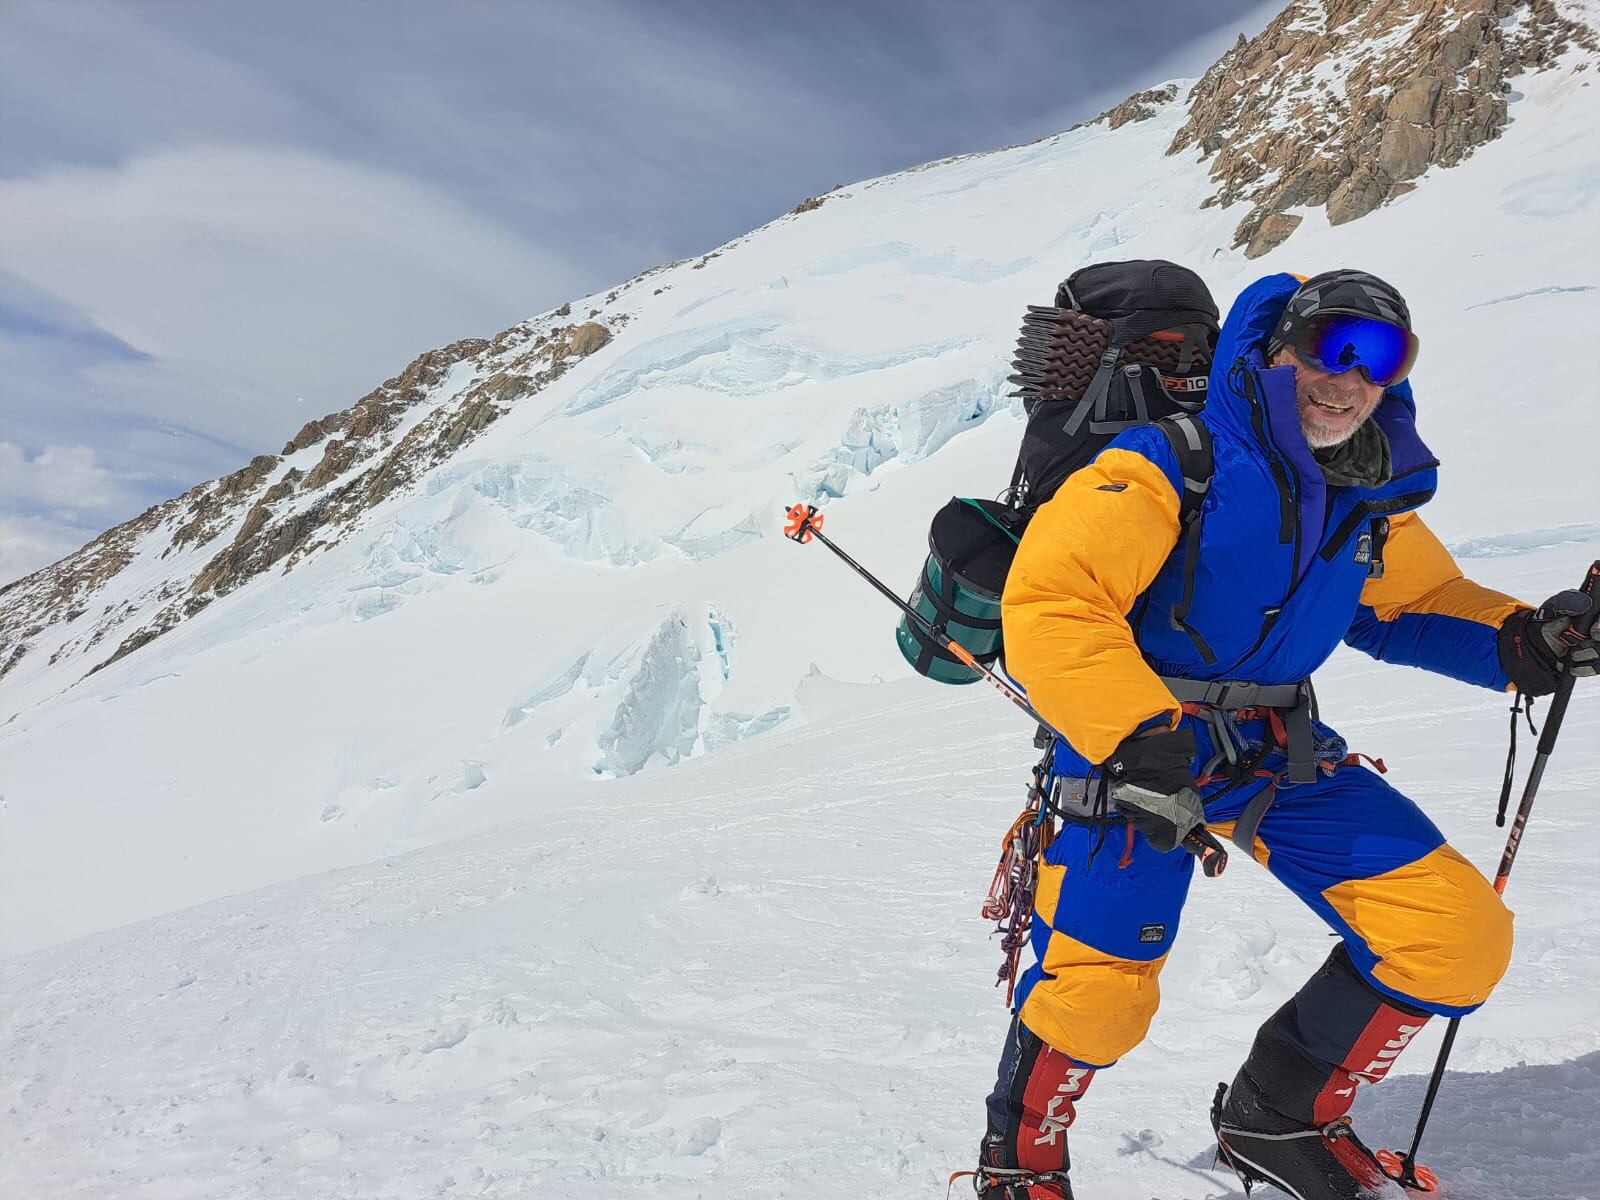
1024,1152
1284,1118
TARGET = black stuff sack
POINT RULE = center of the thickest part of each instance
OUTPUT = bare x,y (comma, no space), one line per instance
970,547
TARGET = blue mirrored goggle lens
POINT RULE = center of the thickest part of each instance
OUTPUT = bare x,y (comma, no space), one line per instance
1340,342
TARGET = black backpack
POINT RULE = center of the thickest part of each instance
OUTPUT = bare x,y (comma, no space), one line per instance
1125,344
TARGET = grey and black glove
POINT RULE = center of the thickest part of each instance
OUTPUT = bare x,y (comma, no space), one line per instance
1152,784
1558,638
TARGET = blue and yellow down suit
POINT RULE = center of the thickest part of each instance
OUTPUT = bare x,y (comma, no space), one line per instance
1279,582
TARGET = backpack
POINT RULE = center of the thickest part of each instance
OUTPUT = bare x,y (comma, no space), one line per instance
1125,344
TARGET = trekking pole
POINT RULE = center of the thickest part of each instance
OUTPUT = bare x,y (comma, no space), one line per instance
805,523
1547,743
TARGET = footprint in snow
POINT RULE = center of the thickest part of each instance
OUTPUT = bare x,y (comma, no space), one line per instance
445,1040
700,1137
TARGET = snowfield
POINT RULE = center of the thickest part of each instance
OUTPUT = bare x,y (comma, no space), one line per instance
761,973
565,832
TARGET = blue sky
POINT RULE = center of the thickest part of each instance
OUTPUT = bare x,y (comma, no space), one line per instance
220,219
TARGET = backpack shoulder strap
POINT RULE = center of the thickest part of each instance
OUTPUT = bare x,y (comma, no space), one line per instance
1191,442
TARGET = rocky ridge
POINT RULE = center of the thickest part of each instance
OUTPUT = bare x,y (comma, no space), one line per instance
1344,103
272,512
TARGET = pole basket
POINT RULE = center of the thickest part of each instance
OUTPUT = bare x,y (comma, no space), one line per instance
803,522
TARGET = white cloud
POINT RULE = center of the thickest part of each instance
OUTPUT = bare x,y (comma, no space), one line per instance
66,480
286,283
28,543
54,501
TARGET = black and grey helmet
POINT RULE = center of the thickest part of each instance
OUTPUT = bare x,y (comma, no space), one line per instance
1345,291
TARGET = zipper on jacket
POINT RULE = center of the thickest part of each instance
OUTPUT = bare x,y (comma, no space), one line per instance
1258,417
1288,523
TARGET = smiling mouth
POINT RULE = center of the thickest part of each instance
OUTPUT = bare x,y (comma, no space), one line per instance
1339,409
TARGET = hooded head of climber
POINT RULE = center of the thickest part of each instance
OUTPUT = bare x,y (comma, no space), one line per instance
1347,334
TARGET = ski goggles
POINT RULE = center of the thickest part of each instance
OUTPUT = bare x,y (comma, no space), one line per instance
1338,342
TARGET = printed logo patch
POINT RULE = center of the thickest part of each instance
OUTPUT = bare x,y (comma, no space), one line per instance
1112,487
1152,933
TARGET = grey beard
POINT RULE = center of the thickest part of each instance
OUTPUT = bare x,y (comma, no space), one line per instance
1318,442
1360,460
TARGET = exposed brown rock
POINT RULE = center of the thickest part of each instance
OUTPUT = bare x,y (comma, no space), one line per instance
337,458
427,370
1414,102
209,507
1140,106
809,204
587,338
1363,190
32,604
259,544
167,619
313,432
1271,232
504,387
1404,151
1283,135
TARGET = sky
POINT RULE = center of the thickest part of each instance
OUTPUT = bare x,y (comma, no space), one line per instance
220,219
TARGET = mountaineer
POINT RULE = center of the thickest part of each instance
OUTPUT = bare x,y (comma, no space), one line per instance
1176,657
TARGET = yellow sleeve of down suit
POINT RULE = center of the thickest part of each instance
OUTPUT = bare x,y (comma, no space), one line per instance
1421,579
1086,557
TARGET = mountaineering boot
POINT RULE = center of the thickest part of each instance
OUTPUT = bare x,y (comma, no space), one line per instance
1024,1151
1283,1119
994,1181
1320,1163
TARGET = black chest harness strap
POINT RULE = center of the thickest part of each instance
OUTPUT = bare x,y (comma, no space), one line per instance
1294,704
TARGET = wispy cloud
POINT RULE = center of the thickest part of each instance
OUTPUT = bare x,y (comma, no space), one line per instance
63,479
268,277
30,542
52,502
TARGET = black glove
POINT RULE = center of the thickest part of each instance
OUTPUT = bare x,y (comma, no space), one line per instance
1558,637
1152,784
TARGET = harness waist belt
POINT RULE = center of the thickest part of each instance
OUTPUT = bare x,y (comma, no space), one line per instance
1233,694
1295,701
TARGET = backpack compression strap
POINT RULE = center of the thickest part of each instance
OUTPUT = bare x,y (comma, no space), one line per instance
1191,443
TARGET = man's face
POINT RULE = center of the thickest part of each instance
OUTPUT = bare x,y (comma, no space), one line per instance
1332,407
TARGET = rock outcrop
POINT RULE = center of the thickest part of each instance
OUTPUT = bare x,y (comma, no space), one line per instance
1140,106
1341,103
270,513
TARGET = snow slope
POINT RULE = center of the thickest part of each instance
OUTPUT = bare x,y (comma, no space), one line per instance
597,859
759,974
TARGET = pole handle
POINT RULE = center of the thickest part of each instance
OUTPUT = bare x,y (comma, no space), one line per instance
1563,695
1213,858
